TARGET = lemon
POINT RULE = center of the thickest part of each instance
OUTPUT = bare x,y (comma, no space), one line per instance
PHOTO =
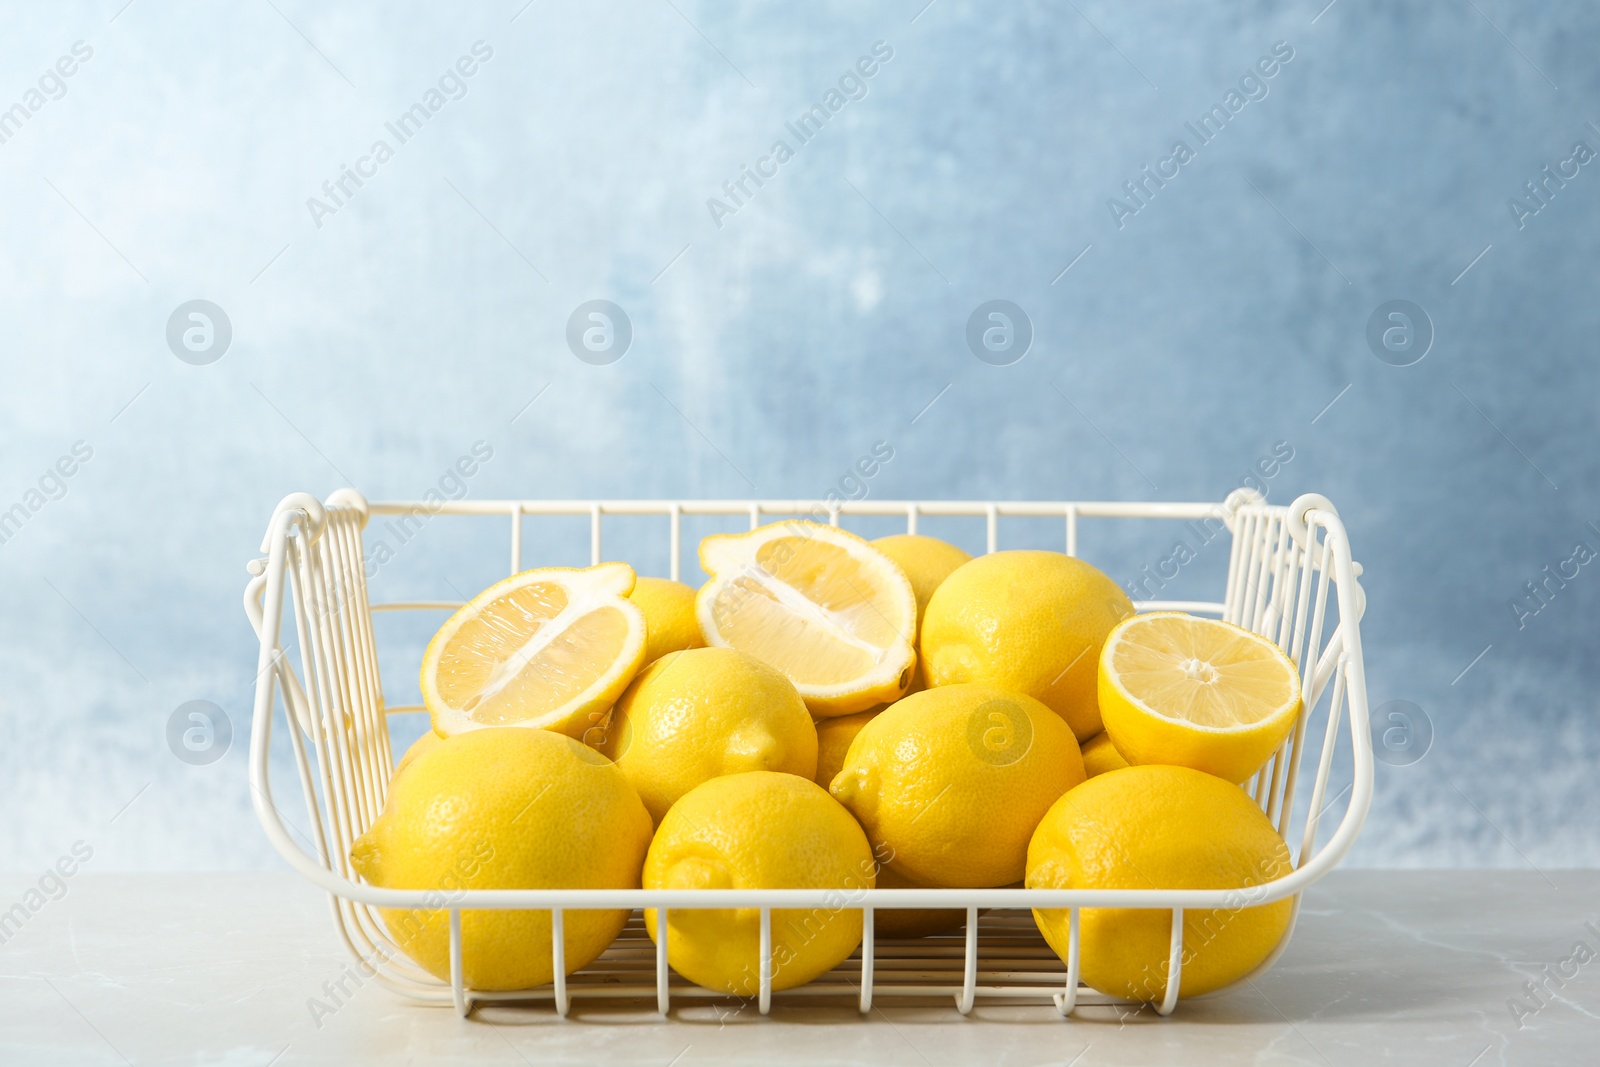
833,741
669,620
418,748
1160,828
927,561
758,830
550,648
505,809
702,713
911,922
1100,755
1028,621
820,604
950,782
1196,692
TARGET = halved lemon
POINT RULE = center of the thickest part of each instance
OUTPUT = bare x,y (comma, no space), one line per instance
1195,692
550,648
820,604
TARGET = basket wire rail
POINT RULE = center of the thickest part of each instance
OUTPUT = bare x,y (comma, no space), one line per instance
1290,578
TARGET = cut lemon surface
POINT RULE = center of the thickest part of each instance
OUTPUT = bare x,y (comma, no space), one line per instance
1194,692
550,648
820,604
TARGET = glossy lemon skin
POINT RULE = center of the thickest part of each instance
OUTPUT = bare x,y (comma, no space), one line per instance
1029,621
758,830
505,808
950,782
1158,827
702,713
668,607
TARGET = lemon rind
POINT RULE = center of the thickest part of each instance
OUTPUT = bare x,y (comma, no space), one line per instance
1292,706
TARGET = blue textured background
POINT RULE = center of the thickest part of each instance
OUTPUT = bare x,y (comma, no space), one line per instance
772,351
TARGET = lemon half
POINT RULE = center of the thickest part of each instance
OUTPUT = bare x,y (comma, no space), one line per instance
820,604
550,648
1195,692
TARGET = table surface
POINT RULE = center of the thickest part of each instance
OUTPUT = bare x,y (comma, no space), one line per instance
1412,967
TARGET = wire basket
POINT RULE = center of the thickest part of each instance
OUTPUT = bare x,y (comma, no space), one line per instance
1290,577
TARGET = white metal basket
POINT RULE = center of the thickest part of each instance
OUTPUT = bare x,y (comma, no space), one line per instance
1282,563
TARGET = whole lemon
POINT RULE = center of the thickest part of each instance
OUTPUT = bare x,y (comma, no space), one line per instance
699,714
1159,827
758,830
927,561
833,742
669,620
911,922
950,782
505,808
1100,755
418,747
1028,621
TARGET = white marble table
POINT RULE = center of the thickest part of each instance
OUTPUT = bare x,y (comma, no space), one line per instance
1413,968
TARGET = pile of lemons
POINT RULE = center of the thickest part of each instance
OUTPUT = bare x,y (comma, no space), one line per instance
828,712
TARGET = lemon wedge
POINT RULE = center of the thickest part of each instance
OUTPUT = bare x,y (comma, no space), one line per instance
550,648
820,604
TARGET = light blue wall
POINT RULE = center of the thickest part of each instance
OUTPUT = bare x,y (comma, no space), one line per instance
1220,319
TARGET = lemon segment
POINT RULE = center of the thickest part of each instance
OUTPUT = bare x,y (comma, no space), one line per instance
1195,692
549,648
818,603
